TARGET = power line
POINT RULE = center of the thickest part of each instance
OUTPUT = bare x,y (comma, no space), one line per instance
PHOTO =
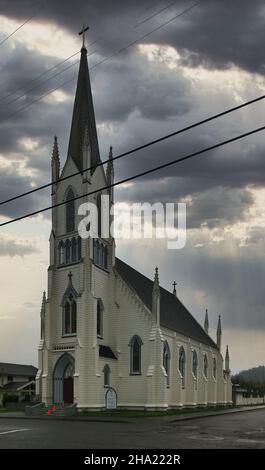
148,7
41,75
155,14
9,36
108,58
39,85
41,97
138,175
122,49
137,149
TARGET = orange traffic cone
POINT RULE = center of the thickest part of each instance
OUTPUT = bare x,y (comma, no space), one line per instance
49,412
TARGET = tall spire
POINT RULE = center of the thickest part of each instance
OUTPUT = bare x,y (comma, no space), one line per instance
219,333
156,298
110,166
55,163
110,174
206,322
42,316
83,117
227,360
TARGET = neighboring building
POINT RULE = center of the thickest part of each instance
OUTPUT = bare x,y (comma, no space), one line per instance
17,379
243,397
104,324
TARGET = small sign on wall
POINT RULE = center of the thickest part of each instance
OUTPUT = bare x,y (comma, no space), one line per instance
111,399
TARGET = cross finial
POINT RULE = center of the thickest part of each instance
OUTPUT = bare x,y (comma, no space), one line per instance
156,280
174,287
70,276
83,33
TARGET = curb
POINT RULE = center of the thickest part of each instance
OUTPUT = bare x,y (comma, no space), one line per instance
212,414
102,419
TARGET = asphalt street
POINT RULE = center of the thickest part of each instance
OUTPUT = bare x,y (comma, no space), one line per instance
232,431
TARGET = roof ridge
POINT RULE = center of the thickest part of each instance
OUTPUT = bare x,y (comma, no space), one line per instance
198,333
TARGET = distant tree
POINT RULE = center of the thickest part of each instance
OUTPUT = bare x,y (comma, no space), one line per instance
253,380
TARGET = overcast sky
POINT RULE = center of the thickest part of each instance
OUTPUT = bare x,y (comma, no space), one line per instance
202,62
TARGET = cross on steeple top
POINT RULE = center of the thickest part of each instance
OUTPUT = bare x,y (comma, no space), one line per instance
83,33
174,287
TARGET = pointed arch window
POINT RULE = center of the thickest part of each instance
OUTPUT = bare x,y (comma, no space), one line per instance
100,309
105,257
70,211
79,248
74,250
205,366
61,252
69,316
100,254
99,213
106,373
166,361
214,368
67,252
195,364
182,365
135,355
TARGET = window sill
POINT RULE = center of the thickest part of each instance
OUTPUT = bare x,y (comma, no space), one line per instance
68,335
73,263
100,336
135,373
101,267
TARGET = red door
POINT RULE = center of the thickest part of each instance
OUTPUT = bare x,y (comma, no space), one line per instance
68,390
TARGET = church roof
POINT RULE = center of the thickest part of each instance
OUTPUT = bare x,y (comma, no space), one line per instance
83,120
17,369
106,351
173,314
16,386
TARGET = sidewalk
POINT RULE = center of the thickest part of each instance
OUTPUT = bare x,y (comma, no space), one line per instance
120,419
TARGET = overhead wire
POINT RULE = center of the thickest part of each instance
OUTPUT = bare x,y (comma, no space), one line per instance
138,175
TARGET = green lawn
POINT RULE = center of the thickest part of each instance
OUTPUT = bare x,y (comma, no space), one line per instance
149,414
5,410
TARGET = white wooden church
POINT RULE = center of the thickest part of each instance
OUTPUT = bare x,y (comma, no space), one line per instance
104,325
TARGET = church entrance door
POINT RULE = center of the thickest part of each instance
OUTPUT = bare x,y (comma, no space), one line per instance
63,380
68,390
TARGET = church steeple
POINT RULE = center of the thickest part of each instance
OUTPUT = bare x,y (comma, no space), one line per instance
227,360
206,322
156,298
219,333
55,163
83,118
110,174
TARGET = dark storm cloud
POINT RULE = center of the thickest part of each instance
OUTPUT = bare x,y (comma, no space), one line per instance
218,207
226,279
216,33
137,100
134,99
149,88
11,185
